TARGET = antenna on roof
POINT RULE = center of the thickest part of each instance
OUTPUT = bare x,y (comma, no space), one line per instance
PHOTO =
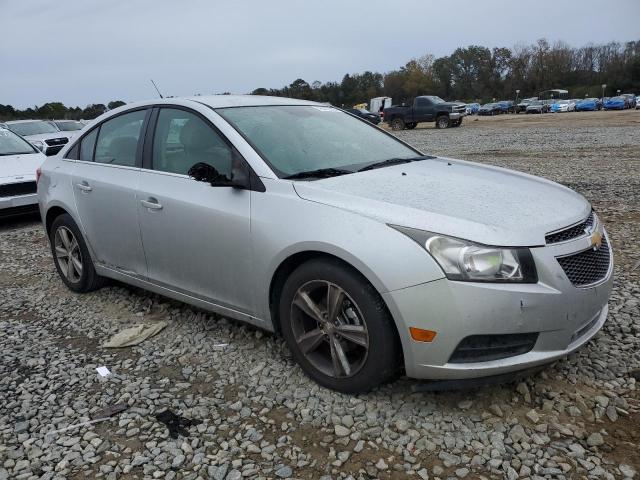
156,87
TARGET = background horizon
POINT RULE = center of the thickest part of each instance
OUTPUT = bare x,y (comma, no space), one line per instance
110,51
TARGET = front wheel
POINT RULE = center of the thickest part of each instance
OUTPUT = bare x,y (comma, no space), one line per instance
442,121
338,328
71,256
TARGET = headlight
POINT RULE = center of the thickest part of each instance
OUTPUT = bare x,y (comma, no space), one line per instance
472,262
38,144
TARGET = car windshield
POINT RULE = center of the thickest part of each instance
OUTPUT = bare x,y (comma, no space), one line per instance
302,138
536,102
435,99
32,128
12,144
69,125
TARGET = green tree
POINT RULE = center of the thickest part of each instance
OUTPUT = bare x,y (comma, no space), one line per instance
115,104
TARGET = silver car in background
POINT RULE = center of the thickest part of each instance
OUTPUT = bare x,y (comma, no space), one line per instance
19,161
43,135
368,256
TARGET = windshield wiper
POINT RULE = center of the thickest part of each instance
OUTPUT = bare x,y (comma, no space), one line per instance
319,173
393,161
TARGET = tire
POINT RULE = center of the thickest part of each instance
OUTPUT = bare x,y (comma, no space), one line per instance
411,126
397,124
333,361
67,242
442,121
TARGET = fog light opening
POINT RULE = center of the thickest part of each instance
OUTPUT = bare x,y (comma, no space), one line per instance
420,335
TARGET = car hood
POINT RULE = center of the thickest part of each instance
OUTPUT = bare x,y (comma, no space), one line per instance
15,168
488,205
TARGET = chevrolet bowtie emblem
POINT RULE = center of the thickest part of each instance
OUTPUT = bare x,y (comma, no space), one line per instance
596,240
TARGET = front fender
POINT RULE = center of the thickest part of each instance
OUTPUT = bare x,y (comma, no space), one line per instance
387,258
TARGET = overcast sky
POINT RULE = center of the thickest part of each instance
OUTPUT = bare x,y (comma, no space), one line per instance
93,51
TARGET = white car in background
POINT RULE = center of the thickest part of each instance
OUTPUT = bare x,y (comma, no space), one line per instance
19,161
43,135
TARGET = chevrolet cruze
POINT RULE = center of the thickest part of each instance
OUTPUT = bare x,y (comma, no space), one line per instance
367,255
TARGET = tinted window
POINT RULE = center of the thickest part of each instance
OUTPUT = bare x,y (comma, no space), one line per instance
87,146
118,139
183,139
422,102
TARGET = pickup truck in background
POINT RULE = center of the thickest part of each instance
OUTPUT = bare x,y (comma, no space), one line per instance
427,108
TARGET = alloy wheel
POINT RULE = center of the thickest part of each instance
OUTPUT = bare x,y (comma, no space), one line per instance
329,329
68,255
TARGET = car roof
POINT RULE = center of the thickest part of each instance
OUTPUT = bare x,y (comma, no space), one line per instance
225,101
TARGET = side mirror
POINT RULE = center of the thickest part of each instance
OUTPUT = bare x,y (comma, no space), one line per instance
203,172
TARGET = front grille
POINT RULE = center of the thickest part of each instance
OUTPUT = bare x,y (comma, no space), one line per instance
485,348
589,266
16,189
52,142
570,233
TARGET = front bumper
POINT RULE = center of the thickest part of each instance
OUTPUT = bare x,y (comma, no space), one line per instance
18,205
564,317
456,115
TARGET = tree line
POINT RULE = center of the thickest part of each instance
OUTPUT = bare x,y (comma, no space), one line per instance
470,74
480,74
58,111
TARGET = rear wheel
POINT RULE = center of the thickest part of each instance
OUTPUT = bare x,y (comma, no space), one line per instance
397,124
338,328
71,256
442,121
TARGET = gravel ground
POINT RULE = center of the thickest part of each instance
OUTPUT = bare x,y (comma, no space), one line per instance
260,417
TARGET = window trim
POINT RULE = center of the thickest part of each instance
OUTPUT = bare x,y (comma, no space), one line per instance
139,149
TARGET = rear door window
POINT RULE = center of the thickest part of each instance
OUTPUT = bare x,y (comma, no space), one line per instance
87,145
118,138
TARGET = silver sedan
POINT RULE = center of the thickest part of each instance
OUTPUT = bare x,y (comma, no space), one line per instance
368,256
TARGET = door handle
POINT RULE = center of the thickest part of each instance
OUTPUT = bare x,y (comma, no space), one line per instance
84,186
151,203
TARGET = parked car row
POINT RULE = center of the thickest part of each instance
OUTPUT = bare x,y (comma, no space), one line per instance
535,105
47,136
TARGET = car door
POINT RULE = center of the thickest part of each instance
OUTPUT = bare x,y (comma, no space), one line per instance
423,111
196,237
105,181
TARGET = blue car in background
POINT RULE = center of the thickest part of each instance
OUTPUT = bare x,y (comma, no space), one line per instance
507,106
589,105
489,109
472,108
614,103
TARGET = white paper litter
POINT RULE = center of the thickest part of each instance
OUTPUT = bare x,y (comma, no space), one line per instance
103,371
